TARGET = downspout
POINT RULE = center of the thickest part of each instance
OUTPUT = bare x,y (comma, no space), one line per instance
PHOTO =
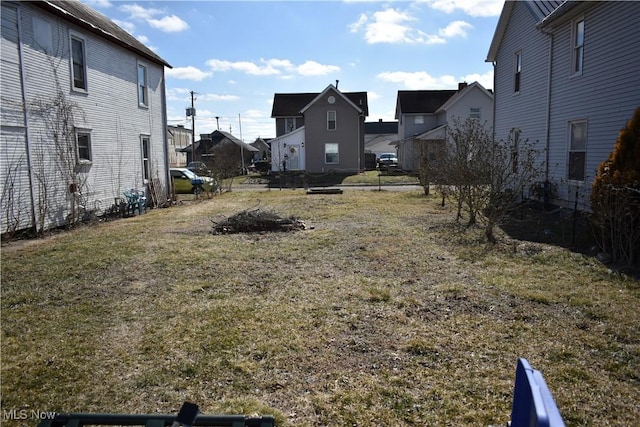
167,174
23,90
493,125
547,184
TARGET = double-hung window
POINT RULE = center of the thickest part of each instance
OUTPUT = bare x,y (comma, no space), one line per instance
331,154
83,145
146,166
474,113
78,63
577,150
143,92
289,124
517,71
331,120
578,46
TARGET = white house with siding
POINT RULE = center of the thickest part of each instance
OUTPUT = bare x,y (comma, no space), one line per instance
83,114
567,77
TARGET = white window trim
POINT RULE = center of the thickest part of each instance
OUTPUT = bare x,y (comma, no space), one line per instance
569,150
81,161
325,153
79,37
335,120
479,113
286,122
143,158
517,73
146,84
574,46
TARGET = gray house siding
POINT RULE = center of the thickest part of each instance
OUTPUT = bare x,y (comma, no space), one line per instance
348,136
605,94
108,110
281,125
525,110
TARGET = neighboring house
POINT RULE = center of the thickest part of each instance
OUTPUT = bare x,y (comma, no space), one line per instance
178,138
263,147
83,114
380,137
319,132
567,77
210,147
425,115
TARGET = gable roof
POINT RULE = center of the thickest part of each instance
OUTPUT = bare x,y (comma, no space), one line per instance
292,104
539,9
380,128
95,22
421,101
331,88
461,93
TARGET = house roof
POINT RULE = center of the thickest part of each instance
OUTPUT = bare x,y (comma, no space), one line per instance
380,128
357,105
421,101
540,9
218,136
292,104
461,93
82,15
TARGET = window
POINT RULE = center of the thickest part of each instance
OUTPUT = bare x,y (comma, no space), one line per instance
79,65
146,166
143,97
578,46
517,72
290,124
83,145
331,155
418,120
331,120
577,150
474,113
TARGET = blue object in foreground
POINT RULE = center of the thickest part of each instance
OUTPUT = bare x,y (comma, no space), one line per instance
533,404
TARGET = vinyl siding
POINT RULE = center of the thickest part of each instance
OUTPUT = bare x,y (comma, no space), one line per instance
525,110
109,109
606,94
349,135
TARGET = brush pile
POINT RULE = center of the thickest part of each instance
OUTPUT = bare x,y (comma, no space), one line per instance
256,221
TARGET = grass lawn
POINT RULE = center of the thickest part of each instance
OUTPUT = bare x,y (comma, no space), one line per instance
384,313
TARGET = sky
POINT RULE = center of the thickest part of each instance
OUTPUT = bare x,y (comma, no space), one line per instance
235,55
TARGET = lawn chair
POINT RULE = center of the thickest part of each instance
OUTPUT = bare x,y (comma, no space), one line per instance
533,404
136,201
187,417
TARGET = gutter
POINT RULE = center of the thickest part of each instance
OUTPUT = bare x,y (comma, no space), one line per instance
23,90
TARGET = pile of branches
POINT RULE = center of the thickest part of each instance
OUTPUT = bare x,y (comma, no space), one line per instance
256,220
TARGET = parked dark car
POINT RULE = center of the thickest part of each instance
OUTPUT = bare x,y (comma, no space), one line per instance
387,161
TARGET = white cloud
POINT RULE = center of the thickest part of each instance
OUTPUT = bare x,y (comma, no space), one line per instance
187,73
485,79
98,3
455,29
475,8
270,67
393,26
139,12
169,24
312,68
129,27
420,80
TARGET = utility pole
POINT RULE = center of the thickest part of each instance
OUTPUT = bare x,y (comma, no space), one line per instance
241,146
192,112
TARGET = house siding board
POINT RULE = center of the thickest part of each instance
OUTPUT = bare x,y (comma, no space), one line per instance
347,134
527,109
606,94
109,109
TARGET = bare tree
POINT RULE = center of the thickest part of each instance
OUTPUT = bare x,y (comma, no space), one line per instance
485,177
12,208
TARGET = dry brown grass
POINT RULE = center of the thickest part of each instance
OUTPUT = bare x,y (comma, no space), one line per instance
384,314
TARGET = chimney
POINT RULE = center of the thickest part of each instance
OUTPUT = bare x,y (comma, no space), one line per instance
462,85
337,81
379,120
